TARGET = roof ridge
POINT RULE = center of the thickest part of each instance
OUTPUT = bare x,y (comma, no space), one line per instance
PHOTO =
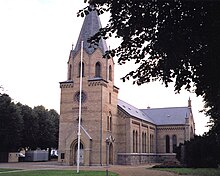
165,108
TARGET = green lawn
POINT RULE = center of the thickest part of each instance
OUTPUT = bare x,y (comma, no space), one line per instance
56,173
5,170
192,171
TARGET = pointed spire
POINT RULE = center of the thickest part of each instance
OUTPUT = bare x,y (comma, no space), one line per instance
71,55
189,103
91,25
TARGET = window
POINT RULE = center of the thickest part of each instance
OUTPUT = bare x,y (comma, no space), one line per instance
143,150
110,98
70,72
109,122
98,70
136,135
144,142
174,143
134,141
167,144
62,155
110,73
151,143
80,69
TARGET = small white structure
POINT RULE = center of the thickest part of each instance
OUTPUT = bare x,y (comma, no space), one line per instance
37,155
13,157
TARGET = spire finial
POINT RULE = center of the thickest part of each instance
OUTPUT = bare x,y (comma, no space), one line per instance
189,103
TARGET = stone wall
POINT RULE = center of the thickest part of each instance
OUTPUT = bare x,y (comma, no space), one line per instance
143,158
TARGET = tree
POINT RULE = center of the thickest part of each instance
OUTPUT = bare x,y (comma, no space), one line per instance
47,127
31,126
171,41
24,127
196,154
11,125
54,117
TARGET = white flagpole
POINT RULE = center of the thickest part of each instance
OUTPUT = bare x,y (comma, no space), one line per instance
80,107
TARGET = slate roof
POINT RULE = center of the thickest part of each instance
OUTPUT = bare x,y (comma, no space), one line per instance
133,111
158,116
168,116
91,25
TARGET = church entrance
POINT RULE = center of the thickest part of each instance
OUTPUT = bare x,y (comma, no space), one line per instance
75,153
110,153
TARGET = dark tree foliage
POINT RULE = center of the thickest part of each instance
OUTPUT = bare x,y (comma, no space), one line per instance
11,125
201,152
170,40
24,127
47,124
30,130
54,117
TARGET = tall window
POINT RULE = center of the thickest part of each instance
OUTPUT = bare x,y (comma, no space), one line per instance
167,144
109,122
136,136
151,143
70,72
80,69
98,70
110,72
174,143
144,143
134,139
110,98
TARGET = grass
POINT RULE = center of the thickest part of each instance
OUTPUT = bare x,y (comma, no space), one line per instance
6,170
192,171
56,173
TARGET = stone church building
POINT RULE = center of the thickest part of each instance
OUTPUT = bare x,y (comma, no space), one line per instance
112,131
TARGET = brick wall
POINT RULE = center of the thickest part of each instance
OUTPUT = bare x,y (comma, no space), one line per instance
143,158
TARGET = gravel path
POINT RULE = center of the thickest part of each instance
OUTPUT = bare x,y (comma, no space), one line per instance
121,170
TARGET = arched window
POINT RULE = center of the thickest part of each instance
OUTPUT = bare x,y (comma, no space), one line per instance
151,143
98,70
110,72
167,144
110,121
80,69
134,141
107,123
143,142
174,139
70,72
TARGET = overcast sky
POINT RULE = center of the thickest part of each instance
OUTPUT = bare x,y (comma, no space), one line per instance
35,39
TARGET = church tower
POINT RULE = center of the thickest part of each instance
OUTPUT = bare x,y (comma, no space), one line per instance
99,102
